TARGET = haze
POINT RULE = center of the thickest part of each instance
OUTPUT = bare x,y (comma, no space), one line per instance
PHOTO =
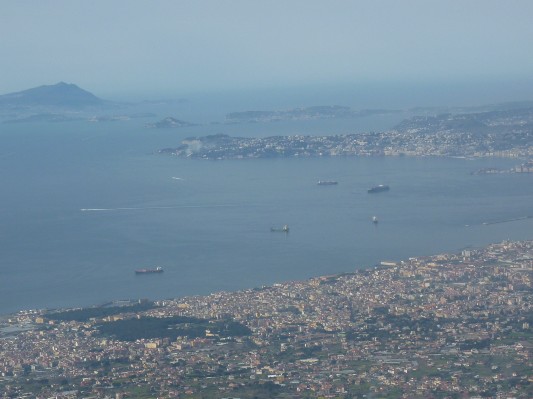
141,48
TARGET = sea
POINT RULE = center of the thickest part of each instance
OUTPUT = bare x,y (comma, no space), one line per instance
84,204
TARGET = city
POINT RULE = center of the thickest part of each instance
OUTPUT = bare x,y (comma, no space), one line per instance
488,134
443,326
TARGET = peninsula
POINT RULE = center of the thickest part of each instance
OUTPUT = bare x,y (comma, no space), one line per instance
501,133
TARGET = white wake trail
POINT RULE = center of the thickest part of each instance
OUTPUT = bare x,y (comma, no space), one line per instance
144,208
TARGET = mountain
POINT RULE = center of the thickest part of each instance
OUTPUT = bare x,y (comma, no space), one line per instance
62,94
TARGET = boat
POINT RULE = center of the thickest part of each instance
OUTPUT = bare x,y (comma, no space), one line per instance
327,182
284,229
375,219
158,269
378,189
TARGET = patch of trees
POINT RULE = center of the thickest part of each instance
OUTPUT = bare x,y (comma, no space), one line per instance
372,332
171,327
472,344
388,323
291,309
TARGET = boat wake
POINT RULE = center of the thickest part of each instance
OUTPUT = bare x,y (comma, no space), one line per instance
145,208
507,220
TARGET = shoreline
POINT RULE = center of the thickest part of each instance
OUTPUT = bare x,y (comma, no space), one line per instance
383,264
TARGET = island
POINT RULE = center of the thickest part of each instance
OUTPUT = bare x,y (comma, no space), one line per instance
307,113
169,122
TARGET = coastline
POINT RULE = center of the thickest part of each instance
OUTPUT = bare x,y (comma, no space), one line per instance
351,331
383,264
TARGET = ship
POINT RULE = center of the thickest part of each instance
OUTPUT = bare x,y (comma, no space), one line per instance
284,229
378,189
375,219
158,269
327,182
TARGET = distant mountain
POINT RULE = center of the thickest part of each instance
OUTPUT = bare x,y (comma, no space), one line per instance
508,119
62,94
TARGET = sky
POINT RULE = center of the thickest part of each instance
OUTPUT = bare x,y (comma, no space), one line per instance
133,47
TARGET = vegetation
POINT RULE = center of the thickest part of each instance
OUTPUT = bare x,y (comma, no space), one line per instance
171,327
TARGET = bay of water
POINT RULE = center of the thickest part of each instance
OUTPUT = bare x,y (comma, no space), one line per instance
83,205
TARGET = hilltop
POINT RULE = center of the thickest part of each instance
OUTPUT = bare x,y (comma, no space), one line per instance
64,95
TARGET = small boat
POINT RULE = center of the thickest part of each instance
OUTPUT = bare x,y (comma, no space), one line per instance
327,182
284,229
375,219
158,269
378,189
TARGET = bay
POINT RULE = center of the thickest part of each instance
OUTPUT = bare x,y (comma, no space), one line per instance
83,205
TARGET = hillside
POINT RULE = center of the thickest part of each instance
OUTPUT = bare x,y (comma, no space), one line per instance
62,94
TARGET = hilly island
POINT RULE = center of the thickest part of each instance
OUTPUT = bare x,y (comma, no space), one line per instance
58,95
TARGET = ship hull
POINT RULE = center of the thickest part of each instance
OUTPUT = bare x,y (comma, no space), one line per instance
378,189
149,271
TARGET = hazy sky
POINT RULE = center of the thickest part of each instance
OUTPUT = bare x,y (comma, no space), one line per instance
130,46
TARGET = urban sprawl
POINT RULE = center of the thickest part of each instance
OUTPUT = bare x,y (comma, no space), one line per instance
444,326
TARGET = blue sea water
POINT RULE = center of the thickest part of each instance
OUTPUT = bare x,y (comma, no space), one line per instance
85,204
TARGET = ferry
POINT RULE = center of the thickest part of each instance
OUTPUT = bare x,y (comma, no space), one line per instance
158,269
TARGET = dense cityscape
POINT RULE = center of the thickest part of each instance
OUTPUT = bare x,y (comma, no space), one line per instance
503,133
444,326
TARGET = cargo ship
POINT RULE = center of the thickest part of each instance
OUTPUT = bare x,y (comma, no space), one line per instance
378,189
327,182
158,269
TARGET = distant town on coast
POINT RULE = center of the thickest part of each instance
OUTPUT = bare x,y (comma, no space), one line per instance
447,325
501,130
503,133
